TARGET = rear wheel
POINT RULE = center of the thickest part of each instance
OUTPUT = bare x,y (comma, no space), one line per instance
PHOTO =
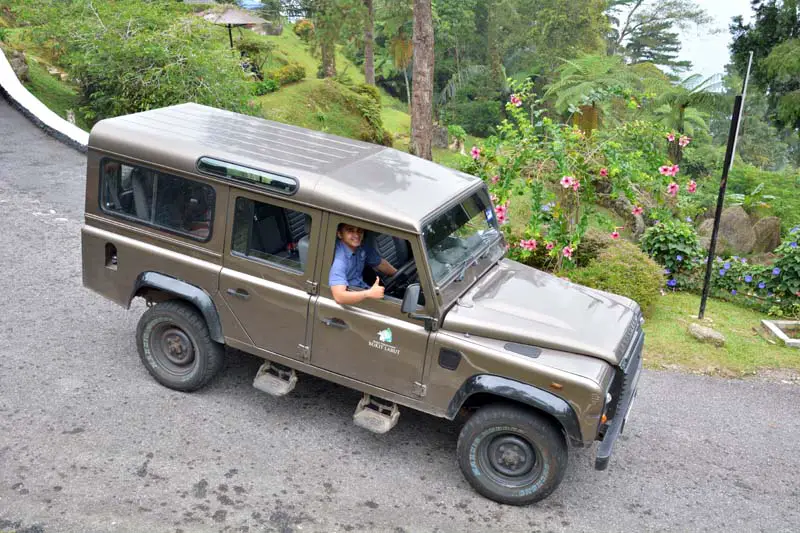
176,347
511,455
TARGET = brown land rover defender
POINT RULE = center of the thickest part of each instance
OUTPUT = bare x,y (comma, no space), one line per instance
229,227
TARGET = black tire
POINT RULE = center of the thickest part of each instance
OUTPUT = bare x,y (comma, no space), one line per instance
512,455
176,347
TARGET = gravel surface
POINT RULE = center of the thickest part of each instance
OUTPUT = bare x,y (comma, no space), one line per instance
90,443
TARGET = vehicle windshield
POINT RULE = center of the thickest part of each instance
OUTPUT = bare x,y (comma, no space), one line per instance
453,239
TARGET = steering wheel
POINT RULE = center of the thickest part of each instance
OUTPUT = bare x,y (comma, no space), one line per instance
401,274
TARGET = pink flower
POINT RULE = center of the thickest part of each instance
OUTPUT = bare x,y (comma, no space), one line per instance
549,246
615,234
515,100
529,244
684,141
638,210
567,181
495,179
671,137
475,153
603,172
576,185
692,187
673,188
665,170
673,170
567,252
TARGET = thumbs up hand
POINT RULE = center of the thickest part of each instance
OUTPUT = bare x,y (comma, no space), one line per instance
376,291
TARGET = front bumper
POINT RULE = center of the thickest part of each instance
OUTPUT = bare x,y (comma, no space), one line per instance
630,382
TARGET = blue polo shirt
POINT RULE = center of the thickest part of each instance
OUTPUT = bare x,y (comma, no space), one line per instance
348,266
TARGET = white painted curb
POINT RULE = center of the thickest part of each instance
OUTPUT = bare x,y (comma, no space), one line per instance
40,114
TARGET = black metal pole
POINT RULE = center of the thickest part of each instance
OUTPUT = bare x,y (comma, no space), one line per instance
230,35
723,184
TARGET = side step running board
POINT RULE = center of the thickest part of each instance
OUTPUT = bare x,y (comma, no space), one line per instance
376,415
274,379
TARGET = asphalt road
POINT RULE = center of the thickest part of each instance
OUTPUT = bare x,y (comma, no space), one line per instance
90,443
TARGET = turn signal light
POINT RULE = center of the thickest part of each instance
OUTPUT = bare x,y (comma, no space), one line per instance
557,386
603,419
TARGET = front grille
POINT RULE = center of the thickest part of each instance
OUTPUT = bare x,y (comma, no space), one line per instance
625,371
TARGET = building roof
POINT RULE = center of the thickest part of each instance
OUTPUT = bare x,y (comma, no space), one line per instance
355,178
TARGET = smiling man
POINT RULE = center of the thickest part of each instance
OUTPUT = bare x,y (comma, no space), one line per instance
349,259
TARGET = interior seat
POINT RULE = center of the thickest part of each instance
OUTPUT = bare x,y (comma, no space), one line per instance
303,243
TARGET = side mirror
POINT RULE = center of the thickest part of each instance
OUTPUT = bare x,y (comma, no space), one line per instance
411,298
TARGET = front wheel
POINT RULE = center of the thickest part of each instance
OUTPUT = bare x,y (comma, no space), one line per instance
511,455
176,347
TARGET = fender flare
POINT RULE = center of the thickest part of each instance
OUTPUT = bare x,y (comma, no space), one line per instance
523,393
184,291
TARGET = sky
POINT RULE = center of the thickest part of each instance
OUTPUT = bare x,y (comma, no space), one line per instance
708,51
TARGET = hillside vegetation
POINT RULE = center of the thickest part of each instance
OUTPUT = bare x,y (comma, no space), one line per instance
337,106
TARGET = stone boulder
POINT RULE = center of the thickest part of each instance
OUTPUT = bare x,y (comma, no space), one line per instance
19,65
708,335
736,233
768,234
439,139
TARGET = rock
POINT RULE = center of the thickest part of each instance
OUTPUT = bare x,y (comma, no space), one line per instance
768,234
704,334
439,137
736,233
19,65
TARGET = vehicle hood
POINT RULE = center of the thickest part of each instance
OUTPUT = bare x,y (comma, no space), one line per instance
520,304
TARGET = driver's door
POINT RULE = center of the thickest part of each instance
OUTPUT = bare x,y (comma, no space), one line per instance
372,341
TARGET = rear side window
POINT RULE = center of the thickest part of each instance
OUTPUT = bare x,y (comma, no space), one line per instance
170,202
271,233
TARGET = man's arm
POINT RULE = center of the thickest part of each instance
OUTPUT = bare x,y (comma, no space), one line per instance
344,297
386,267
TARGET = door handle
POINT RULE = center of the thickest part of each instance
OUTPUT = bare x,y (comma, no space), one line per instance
239,293
334,323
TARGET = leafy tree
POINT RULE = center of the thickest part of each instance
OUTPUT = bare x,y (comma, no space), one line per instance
546,31
655,43
584,84
772,36
648,24
680,108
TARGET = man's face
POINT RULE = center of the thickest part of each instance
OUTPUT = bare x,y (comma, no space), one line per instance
351,236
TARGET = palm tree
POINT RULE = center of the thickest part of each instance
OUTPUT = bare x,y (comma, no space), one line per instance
586,83
680,108
422,79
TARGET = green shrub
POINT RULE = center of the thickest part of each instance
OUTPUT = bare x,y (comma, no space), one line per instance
369,91
477,117
625,270
787,281
3,34
457,132
362,98
593,243
267,86
673,244
304,29
287,74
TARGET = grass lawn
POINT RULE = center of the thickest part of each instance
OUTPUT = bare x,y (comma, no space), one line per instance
669,345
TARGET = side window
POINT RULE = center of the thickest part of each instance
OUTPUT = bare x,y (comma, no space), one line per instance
360,267
178,204
271,233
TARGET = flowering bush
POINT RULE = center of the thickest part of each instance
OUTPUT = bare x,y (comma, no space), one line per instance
673,244
547,161
304,29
